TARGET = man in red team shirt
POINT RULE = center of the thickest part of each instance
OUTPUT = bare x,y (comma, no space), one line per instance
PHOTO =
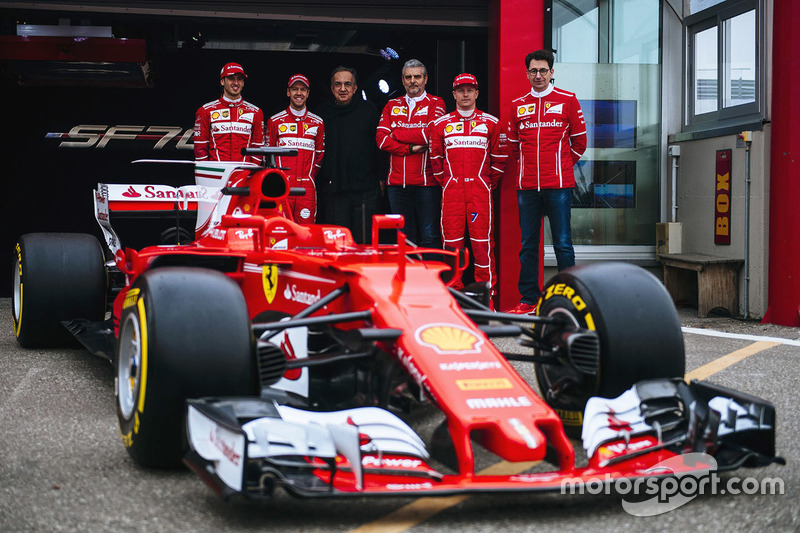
547,136
468,160
296,127
413,191
224,126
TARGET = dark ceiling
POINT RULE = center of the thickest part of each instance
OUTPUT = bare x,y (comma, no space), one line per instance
441,13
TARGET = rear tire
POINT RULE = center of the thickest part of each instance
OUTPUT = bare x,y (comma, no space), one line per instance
637,324
57,276
184,333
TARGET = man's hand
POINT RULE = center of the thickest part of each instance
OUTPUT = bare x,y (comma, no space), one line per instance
417,148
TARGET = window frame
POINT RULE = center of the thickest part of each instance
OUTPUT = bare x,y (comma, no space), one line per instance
716,16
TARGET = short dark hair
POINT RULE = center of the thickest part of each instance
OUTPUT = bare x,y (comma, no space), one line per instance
540,55
339,69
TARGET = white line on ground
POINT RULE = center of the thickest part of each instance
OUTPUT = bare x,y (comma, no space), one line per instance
755,338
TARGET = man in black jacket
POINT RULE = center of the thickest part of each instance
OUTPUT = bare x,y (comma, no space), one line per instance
350,174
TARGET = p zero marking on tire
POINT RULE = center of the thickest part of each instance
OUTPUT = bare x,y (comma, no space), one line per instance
143,372
571,294
637,327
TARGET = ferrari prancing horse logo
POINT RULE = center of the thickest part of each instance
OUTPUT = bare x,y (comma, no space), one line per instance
269,278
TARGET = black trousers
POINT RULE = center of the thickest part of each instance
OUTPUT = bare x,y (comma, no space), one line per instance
353,210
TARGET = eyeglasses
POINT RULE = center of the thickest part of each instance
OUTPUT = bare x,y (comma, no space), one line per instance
542,71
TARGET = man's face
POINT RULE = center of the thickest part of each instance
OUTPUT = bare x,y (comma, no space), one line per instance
343,87
414,81
298,94
465,96
232,86
539,81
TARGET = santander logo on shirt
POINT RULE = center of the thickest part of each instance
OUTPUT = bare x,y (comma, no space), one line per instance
296,142
231,127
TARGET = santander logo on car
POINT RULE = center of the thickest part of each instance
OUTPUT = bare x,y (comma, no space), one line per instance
131,193
294,294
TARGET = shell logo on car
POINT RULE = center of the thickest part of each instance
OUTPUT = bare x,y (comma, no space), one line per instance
448,339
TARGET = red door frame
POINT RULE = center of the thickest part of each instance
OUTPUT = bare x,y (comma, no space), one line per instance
516,27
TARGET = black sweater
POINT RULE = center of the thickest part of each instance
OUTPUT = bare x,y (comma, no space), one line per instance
351,161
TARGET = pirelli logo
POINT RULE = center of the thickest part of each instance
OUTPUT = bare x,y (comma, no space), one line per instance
570,418
483,384
131,298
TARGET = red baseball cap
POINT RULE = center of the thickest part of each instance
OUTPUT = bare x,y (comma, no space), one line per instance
465,79
230,69
299,77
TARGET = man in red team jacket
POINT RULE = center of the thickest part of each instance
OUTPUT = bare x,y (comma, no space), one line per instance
468,160
547,136
413,191
224,126
296,127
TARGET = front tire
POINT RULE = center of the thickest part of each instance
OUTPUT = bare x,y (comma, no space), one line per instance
184,333
637,325
57,276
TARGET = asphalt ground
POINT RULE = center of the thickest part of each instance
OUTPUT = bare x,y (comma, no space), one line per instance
63,466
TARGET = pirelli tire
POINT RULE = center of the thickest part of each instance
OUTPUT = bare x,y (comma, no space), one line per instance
637,325
183,333
56,276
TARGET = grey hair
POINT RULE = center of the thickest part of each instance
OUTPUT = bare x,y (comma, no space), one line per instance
415,63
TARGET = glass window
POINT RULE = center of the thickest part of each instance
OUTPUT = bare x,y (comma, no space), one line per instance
739,67
616,75
722,64
634,32
576,31
705,71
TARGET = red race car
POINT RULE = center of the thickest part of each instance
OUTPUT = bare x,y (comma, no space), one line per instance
289,356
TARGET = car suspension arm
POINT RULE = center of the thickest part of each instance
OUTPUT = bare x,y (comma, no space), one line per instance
270,329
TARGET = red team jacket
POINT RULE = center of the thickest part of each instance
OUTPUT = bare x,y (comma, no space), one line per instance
547,136
223,127
467,148
306,133
397,130
468,160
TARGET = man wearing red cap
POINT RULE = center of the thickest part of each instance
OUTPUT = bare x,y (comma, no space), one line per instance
224,126
296,127
413,191
468,160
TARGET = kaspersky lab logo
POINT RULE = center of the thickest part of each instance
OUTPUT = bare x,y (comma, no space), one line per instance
98,136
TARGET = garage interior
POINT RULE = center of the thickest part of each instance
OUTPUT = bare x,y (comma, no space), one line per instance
152,64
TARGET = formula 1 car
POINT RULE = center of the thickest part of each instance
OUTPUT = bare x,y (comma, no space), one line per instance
267,354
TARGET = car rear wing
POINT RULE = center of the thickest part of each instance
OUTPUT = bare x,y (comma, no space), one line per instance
150,200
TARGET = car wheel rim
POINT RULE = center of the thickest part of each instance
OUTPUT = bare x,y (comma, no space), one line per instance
552,373
15,309
129,364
